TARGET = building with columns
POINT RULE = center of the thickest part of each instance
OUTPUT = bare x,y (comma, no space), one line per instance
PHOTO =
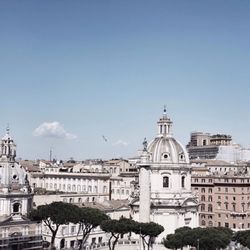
16,198
164,194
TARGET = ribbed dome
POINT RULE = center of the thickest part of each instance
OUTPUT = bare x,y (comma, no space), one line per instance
167,150
164,148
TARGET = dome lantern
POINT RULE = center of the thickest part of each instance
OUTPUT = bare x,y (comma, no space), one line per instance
164,125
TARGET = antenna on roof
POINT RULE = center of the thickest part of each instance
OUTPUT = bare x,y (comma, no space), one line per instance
8,129
50,154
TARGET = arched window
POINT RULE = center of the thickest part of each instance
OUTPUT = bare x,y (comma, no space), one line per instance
165,129
234,207
202,207
203,223
16,207
165,181
210,208
203,198
183,181
219,205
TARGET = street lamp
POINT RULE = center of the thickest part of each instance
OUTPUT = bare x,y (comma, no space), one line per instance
198,244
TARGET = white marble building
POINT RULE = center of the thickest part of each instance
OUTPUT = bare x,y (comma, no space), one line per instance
16,198
165,195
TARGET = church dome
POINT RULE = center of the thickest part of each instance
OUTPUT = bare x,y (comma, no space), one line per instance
165,148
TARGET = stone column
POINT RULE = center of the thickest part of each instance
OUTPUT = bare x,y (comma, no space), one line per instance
144,182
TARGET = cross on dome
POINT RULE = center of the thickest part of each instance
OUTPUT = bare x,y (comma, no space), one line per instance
8,129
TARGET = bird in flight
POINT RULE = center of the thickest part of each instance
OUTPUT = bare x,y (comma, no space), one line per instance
104,138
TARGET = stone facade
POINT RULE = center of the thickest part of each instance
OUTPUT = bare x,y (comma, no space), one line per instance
165,195
224,200
16,199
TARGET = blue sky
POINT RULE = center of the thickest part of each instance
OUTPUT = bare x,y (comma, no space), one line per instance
83,69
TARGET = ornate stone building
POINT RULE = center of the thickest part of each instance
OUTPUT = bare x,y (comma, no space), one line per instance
165,195
16,198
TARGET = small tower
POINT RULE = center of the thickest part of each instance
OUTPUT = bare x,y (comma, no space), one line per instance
164,125
8,147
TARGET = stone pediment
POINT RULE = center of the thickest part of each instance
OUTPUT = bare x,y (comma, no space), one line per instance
134,202
190,202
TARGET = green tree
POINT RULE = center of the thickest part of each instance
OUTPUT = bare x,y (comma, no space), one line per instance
89,218
213,238
242,237
208,238
172,241
117,228
148,232
179,239
53,215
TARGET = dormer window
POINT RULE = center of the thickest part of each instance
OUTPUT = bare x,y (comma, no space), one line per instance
181,156
165,156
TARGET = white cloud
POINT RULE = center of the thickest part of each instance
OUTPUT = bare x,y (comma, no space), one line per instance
53,130
120,143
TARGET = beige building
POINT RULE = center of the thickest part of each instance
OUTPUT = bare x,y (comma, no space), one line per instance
69,235
218,147
224,198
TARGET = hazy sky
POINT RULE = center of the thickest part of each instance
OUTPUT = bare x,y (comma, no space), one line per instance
73,71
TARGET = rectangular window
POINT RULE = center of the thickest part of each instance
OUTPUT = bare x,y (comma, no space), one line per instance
165,181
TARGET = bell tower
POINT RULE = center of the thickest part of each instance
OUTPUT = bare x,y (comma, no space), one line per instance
8,147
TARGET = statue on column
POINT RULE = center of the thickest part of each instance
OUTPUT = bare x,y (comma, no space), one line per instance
145,144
